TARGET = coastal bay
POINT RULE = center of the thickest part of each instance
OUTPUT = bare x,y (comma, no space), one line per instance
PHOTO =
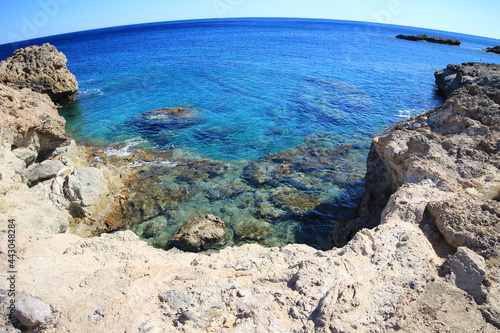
421,251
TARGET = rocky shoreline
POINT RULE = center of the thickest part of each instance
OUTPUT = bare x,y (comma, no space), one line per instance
423,254
425,38
495,49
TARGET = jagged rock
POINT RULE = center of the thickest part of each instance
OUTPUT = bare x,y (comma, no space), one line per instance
46,170
440,170
26,155
451,147
41,69
425,38
470,224
32,312
468,271
495,49
31,121
454,77
200,234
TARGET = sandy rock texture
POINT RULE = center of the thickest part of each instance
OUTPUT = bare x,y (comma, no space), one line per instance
428,263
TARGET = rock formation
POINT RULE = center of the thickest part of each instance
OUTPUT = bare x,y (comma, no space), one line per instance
425,38
495,49
200,234
430,262
36,151
440,170
41,69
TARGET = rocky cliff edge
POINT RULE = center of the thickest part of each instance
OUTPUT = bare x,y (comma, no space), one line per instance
428,263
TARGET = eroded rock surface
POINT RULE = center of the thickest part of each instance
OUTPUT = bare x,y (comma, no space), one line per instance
41,69
440,170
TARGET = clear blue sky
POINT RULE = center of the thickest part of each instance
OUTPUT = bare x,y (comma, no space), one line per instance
26,19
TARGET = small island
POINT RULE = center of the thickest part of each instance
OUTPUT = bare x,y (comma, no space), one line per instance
495,49
425,38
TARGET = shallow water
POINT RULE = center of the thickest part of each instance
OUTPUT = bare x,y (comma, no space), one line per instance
272,105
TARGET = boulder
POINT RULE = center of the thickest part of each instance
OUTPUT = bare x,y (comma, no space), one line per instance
32,312
468,271
200,234
43,171
41,69
85,186
28,156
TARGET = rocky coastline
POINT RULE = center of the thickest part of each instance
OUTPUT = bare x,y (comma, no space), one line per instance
423,254
425,38
495,49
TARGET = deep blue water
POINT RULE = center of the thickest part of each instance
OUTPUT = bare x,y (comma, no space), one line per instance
256,86
261,85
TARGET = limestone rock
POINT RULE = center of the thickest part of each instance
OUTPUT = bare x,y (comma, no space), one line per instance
451,149
30,120
200,234
468,271
26,155
85,186
43,171
32,312
474,225
41,69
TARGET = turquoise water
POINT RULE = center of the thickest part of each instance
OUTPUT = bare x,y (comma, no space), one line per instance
254,87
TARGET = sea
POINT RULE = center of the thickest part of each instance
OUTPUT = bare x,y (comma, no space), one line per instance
277,120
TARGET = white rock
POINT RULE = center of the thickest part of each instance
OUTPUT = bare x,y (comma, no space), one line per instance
32,312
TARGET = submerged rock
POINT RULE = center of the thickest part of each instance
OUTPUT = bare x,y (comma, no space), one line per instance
294,200
253,230
425,38
200,234
41,69
156,124
226,191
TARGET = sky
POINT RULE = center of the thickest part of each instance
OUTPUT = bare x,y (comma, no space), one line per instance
28,19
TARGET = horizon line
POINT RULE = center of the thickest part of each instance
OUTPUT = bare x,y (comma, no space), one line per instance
241,18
